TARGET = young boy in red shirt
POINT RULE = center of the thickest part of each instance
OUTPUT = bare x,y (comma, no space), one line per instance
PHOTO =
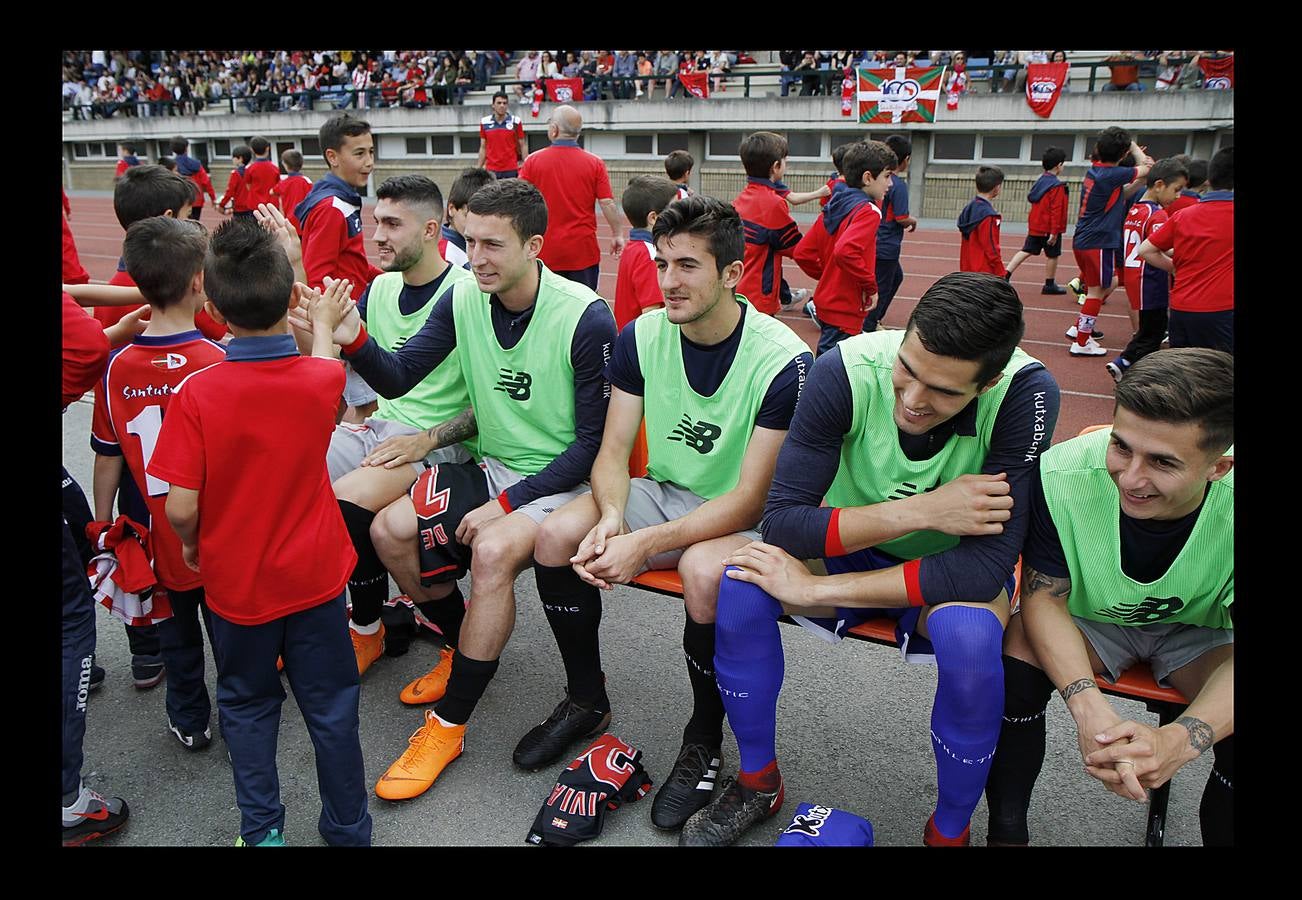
678,167
127,159
771,232
452,244
262,175
637,286
165,258
1048,220
192,169
978,223
292,187
236,198
840,248
263,404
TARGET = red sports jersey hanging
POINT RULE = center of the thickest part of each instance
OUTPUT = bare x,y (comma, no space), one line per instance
537,98
847,93
565,90
1218,72
1044,83
695,83
899,94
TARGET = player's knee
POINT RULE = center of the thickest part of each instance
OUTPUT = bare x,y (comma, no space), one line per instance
496,556
555,543
744,607
1027,689
700,572
389,531
967,638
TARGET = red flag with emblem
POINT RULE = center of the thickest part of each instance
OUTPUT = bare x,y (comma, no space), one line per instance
696,83
904,94
847,93
565,90
537,98
1219,73
1044,83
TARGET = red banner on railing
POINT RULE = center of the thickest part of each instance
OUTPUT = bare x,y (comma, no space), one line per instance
696,83
1044,83
565,90
1218,72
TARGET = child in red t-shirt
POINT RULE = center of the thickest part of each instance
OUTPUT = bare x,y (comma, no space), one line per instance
978,224
236,198
1048,220
273,551
293,187
637,286
261,175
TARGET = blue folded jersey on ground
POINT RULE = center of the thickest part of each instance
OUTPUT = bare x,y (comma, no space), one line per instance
822,826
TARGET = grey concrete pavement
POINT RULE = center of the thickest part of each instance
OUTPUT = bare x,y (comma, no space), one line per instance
853,733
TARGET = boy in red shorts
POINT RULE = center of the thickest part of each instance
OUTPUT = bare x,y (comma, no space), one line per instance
262,405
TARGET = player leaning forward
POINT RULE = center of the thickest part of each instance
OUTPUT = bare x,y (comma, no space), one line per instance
1130,558
923,443
532,349
718,383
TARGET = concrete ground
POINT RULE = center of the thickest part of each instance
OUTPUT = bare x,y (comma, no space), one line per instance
853,733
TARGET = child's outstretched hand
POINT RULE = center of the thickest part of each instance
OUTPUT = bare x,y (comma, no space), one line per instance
335,311
274,221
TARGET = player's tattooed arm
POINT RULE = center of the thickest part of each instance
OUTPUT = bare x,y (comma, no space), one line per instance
455,430
1036,582
1200,733
1080,684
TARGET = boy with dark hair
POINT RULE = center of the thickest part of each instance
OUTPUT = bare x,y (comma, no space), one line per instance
840,248
1197,186
192,169
126,159
330,224
978,224
292,187
1201,241
1118,519
262,175
678,166
236,197
890,235
262,405
502,144
637,286
838,157
1103,205
165,258
1048,220
452,245
952,415
707,358
1147,287
771,232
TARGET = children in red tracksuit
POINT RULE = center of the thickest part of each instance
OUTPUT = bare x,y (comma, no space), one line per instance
293,187
770,231
1047,222
262,175
236,198
978,223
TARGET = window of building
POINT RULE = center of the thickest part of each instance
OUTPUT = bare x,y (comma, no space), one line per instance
947,145
222,146
417,146
639,143
805,144
311,146
668,142
470,144
441,145
1160,146
725,143
1001,146
1042,142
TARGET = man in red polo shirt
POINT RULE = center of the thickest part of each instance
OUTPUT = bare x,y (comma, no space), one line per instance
571,180
501,140
1201,239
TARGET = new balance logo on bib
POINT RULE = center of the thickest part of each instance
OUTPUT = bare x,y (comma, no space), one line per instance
700,436
515,385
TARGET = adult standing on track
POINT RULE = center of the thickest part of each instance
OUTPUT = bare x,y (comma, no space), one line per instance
501,140
571,180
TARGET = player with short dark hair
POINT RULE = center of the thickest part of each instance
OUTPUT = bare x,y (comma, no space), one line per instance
193,169
953,416
262,405
1048,220
1130,558
126,159
261,175
1197,186
678,166
502,144
890,234
236,198
713,430
637,285
292,187
452,245
978,224
771,232
532,348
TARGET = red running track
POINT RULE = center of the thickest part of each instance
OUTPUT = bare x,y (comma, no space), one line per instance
928,254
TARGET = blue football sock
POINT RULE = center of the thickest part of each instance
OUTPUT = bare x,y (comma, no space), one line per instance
966,715
748,665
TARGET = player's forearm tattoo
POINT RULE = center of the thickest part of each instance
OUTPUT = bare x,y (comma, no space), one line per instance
1200,733
1080,684
1037,581
455,430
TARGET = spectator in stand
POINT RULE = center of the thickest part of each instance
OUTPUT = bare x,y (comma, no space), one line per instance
666,71
625,66
1124,70
789,60
527,70
810,83
645,69
719,69
956,79
1059,56
1002,79
388,90
414,95
548,67
1025,58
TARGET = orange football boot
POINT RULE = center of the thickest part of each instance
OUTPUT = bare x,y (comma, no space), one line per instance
429,750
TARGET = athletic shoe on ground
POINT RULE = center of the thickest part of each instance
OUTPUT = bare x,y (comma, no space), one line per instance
1053,288
688,788
96,677
367,647
146,675
1071,333
933,838
797,299
429,750
810,311
547,741
91,816
1117,368
1091,348
273,839
430,687
192,742
730,815
1076,286
1166,339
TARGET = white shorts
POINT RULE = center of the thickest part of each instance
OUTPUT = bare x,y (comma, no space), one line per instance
350,444
500,478
652,502
356,391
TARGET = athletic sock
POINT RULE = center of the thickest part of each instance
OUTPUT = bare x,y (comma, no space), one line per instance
1216,811
966,713
748,664
1085,321
466,684
368,586
573,609
706,724
447,613
766,779
1017,764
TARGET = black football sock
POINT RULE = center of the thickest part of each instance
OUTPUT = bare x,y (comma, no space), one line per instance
466,684
447,613
706,724
1216,812
573,610
1020,753
368,586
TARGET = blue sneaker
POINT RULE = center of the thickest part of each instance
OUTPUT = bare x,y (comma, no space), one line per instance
1117,368
273,839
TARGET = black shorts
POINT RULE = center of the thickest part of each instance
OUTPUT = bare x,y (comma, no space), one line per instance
1037,242
442,495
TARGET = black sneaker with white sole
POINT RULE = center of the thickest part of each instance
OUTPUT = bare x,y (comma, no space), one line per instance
192,742
688,788
730,815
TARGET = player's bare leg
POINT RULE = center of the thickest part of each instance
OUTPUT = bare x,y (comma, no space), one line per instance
502,550
394,534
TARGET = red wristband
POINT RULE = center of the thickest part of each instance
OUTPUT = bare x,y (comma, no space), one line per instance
912,584
504,503
832,545
358,342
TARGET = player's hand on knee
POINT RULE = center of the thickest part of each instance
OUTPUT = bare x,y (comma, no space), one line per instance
774,571
1154,754
591,547
473,522
397,451
971,505
621,558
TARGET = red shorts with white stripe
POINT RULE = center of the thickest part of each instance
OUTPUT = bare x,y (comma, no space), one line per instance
1096,266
